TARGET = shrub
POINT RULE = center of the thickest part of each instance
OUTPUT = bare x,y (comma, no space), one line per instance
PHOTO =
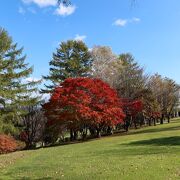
7,144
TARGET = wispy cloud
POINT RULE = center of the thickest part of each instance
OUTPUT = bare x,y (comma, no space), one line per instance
21,10
41,3
63,10
80,37
120,22
124,22
135,19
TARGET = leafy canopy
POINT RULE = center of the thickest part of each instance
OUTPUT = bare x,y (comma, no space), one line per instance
79,101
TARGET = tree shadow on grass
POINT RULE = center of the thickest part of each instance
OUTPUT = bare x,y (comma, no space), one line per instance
166,141
145,147
155,130
121,133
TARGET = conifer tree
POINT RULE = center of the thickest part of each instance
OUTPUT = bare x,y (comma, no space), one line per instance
72,59
15,91
5,43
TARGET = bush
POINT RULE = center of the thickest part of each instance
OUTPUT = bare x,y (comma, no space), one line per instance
7,144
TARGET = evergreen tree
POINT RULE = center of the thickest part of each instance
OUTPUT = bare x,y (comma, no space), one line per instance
130,80
72,59
5,43
15,91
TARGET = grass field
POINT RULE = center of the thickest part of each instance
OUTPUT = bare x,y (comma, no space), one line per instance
147,154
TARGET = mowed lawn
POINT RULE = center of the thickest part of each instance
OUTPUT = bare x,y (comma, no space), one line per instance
150,153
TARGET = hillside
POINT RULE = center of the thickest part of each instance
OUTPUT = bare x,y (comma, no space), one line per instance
148,153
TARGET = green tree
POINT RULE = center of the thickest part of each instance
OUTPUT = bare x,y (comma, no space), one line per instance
72,59
130,83
15,91
130,80
5,42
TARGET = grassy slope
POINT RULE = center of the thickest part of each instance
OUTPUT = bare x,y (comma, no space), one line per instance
149,153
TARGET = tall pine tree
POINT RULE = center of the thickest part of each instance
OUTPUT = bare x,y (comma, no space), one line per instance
15,91
72,59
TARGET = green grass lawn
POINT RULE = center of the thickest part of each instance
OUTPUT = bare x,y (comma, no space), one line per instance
149,153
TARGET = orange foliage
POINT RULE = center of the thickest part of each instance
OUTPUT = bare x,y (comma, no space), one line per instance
7,144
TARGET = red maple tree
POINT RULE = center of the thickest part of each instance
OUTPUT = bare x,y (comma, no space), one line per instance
131,108
80,102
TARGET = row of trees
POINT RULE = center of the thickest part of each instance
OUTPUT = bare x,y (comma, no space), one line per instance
145,99
92,91
159,95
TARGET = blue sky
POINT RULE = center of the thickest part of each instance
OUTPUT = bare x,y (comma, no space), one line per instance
150,30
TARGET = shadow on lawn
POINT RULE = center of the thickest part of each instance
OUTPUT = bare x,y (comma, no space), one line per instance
155,130
166,141
145,147
116,134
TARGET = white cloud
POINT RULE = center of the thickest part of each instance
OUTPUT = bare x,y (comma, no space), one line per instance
63,10
80,37
124,22
21,10
120,22
135,19
42,3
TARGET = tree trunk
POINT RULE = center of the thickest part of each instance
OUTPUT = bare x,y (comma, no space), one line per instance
168,119
149,120
98,133
162,119
154,119
109,130
92,131
75,135
142,121
135,124
127,124
71,135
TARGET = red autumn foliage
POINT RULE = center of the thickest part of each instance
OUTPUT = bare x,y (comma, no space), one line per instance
155,115
132,107
7,144
87,101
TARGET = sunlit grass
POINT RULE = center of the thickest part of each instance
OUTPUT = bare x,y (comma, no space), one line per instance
149,153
